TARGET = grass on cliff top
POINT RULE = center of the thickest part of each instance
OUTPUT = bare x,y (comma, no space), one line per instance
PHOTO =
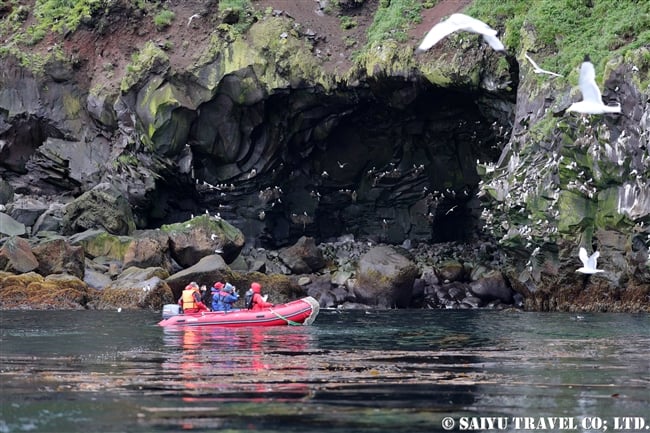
238,5
393,19
61,15
569,29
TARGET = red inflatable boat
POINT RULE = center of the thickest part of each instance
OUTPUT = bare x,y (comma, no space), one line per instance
300,312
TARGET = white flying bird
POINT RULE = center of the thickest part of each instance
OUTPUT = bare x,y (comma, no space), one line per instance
461,22
588,262
538,70
189,21
592,101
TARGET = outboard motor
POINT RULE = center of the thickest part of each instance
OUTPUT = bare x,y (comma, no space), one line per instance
170,310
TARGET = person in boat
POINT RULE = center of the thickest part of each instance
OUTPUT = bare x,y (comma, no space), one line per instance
223,299
190,300
206,296
258,302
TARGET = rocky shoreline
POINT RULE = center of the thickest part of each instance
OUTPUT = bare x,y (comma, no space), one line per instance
265,144
97,270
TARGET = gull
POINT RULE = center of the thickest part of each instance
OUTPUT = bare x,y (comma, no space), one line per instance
341,164
461,22
592,101
588,262
538,70
189,21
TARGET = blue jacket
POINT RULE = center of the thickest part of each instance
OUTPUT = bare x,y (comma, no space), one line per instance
222,301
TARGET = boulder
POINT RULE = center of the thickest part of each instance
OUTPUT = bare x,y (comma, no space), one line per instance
492,287
451,270
203,236
16,256
11,227
103,207
303,257
385,278
99,243
50,220
137,288
26,210
149,249
95,279
58,256
208,270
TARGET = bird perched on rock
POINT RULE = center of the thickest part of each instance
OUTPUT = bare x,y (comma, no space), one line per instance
461,22
592,101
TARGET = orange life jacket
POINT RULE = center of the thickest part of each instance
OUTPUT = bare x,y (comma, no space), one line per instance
188,299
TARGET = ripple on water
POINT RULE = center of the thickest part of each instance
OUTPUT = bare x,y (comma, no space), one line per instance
380,372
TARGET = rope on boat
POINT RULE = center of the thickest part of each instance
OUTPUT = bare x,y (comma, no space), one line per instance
289,321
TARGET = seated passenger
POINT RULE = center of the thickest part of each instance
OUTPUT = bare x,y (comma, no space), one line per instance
190,300
223,299
258,302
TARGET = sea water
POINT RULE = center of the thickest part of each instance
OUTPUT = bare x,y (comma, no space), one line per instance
351,371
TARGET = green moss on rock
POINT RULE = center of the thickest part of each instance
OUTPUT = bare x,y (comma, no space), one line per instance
150,58
106,245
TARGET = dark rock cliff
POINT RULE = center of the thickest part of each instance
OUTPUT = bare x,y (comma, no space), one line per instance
454,145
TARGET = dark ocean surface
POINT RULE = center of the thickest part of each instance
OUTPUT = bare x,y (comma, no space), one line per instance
351,371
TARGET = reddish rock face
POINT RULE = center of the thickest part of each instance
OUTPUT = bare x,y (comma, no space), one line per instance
16,256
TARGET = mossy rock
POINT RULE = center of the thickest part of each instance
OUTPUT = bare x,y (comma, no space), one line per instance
191,240
607,215
166,116
274,49
576,211
98,243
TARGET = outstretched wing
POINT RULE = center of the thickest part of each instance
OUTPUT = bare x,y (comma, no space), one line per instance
532,62
539,70
587,83
584,257
469,24
460,22
592,260
494,42
436,33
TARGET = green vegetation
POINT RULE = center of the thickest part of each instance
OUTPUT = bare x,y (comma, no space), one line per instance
393,19
235,5
569,29
164,19
61,15
348,22
141,63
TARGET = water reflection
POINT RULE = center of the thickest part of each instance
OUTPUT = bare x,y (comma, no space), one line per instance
253,364
351,371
